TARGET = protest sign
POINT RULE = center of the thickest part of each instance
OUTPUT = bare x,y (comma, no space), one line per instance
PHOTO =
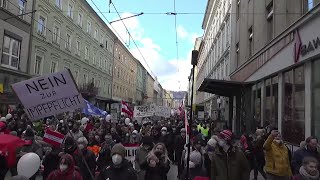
131,151
142,111
48,95
52,137
163,111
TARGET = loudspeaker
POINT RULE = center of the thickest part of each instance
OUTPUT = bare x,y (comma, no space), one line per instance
194,58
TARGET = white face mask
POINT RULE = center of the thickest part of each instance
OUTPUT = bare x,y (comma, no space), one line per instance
222,143
116,159
163,132
63,167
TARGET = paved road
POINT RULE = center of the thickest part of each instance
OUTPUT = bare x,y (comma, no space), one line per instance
172,174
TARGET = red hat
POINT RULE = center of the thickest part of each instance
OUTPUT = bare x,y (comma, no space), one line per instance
226,135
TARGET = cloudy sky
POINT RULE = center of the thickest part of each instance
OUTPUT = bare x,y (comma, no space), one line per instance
155,34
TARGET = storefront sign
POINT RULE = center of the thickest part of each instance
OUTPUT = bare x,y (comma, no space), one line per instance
310,46
49,95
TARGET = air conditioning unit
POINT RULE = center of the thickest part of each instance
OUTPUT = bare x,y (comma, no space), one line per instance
101,45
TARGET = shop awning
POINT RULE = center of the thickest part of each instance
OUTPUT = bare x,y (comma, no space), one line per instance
223,87
106,100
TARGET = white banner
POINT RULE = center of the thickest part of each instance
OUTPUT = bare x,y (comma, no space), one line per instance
48,95
163,111
142,111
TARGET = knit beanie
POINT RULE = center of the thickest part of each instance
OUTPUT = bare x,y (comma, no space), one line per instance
118,149
226,135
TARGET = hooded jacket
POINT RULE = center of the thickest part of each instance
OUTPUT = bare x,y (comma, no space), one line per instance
69,174
232,165
277,158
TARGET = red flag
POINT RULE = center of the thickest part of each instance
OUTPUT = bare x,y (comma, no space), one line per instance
126,109
52,137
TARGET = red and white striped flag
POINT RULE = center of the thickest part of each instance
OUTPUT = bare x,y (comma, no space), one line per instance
126,109
52,137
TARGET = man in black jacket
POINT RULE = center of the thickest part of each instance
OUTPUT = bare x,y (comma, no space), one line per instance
120,168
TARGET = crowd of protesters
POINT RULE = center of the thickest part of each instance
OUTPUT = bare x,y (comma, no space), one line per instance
93,148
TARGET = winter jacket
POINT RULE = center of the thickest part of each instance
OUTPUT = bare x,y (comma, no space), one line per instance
50,163
91,161
125,172
104,158
258,150
299,177
232,165
159,172
299,155
277,158
69,174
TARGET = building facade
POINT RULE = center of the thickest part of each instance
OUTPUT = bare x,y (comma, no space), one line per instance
140,84
149,98
15,29
69,35
280,69
125,69
214,56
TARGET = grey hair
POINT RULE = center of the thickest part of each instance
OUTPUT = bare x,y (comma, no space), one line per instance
82,140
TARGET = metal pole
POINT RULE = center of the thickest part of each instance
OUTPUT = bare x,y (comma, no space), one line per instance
190,124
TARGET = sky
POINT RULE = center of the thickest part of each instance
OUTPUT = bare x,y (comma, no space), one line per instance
155,34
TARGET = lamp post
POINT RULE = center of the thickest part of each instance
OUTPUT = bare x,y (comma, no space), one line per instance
194,62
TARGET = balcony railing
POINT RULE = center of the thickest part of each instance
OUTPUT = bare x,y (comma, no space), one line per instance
89,90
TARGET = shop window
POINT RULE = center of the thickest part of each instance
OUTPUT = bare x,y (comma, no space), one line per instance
271,102
316,98
256,93
293,119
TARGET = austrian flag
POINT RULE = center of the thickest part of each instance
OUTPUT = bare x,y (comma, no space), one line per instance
126,109
52,137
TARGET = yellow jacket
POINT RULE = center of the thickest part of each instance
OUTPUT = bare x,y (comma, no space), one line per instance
277,158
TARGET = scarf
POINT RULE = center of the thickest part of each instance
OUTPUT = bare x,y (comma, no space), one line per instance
306,175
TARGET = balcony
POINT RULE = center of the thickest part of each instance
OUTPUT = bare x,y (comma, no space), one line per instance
88,90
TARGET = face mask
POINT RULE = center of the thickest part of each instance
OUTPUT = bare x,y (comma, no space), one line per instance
63,167
183,134
80,146
116,159
222,143
163,133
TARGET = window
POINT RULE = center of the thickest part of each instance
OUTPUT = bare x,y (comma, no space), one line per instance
95,35
68,42
271,102
89,27
237,54
22,7
70,10
59,4
270,32
54,66
105,64
93,81
294,106
38,65
86,53
75,76
250,32
94,58
85,78
106,44
78,47
80,19
307,5
10,52
98,83
99,62
56,34
238,9
3,3
101,38
42,25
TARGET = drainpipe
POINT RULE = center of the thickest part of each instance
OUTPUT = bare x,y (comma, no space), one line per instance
30,38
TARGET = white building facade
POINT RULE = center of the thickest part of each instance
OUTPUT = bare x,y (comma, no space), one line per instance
214,57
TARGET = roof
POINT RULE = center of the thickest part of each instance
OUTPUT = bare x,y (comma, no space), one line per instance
223,87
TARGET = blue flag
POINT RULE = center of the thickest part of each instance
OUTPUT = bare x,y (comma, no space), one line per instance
92,110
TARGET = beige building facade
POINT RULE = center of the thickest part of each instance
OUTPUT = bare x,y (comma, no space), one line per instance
150,89
124,74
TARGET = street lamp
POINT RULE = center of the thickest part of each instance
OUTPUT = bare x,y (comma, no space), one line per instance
194,62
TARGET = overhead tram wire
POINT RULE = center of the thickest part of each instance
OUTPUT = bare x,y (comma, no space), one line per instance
134,42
